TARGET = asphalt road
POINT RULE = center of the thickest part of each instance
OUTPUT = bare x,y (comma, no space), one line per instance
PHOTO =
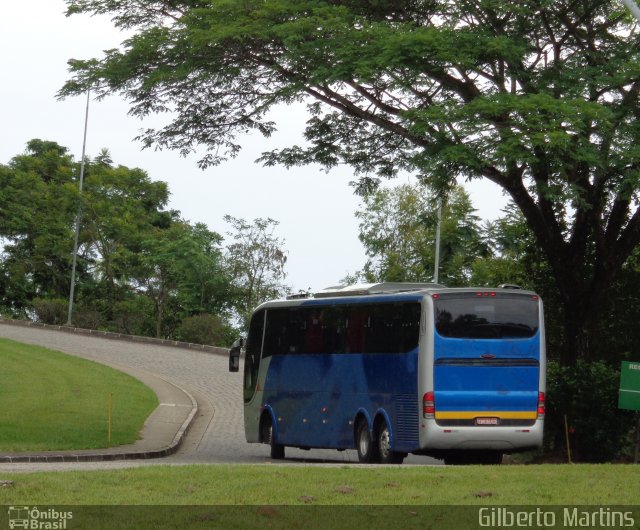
217,434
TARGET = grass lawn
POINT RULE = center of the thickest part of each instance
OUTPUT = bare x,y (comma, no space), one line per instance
53,401
317,497
547,484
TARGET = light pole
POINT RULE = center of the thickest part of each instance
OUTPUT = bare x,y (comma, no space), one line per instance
77,228
436,268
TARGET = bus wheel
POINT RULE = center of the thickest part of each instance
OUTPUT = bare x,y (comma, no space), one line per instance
387,456
277,450
367,450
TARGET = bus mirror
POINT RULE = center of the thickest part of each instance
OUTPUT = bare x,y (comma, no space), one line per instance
234,355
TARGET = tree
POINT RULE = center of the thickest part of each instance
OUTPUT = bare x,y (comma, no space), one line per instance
538,96
398,231
180,269
120,208
38,201
141,268
255,259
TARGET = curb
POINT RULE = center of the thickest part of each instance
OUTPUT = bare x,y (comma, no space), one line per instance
69,456
118,336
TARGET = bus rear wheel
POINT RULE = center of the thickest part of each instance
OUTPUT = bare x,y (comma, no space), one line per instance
387,456
365,445
277,450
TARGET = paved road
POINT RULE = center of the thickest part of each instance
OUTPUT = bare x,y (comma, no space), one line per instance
217,434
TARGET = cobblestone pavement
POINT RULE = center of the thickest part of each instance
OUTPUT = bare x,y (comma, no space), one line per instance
216,436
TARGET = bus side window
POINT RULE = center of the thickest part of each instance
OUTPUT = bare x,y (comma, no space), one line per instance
392,328
356,329
377,332
313,334
335,328
296,326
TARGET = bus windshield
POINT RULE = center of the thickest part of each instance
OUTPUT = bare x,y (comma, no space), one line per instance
468,316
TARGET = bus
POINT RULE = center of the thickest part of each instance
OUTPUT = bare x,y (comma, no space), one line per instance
396,368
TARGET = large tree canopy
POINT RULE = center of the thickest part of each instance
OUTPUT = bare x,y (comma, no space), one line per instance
538,96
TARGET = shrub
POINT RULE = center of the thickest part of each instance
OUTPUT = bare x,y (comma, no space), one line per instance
204,329
134,316
587,394
50,310
87,318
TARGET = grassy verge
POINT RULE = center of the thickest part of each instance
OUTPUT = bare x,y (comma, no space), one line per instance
53,401
347,485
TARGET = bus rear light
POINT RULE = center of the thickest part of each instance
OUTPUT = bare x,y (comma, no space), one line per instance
429,406
541,405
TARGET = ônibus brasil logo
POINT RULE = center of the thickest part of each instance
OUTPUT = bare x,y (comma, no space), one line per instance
38,519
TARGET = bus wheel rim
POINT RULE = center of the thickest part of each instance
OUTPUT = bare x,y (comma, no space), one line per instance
385,446
363,442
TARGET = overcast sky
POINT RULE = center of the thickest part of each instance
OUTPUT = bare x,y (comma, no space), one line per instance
315,209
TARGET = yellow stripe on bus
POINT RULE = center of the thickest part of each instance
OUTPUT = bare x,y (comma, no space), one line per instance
508,415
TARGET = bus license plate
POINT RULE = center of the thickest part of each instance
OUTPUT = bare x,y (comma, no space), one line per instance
487,421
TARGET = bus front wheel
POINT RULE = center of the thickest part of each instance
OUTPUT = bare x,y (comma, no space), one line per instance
277,450
365,445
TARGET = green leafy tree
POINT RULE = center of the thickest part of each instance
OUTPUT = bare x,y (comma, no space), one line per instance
398,231
120,207
38,201
539,97
181,271
141,269
255,258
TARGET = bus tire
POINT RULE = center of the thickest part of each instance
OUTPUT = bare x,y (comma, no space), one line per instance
277,450
365,445
386,455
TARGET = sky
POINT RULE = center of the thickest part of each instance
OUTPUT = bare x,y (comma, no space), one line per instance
315,209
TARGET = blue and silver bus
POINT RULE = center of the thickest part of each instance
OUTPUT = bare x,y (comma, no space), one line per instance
391,369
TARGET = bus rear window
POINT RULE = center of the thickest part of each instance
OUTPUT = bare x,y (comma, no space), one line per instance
500,317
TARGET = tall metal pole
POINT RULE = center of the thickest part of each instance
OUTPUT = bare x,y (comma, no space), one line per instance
633,7
77,228
436,268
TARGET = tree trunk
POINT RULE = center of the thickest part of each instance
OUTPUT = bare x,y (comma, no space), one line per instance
582,310
576,343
